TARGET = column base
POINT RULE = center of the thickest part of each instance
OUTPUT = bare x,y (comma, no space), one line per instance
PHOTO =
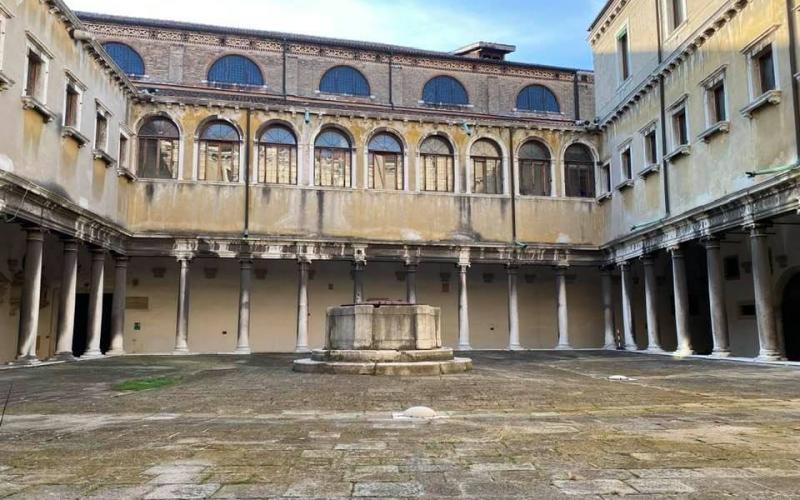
96,354
26,361
302,349
180,352
769,356
655,350
64,356
243,350
464,347
682,353
516,347
722,353
611,347
563,347
631,347
115,352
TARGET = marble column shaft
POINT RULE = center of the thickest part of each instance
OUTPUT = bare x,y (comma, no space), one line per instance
358,282
182,325
118,306
411,283
513,309
463,308
681,291
651,304
66,310
765,304
562,309
96,288
610,341
245,285
627,307
716,296
302,306
31,297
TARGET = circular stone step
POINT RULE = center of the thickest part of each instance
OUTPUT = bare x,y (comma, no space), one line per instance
401,369
354,356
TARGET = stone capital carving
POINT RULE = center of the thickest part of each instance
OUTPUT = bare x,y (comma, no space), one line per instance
464,257
360,254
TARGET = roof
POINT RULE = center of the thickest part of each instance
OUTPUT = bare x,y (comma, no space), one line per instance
298,38
601,14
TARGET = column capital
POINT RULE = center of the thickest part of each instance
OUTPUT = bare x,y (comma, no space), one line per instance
711,241
98,253
512,267
625,265
757,229
122,260
35,233
70,245
304,259
648,259
675,250
463,257
184,258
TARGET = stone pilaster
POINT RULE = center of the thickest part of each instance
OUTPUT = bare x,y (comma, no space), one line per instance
96,288
716,296
765,304
31,297
119,300
651,303
66,311
513,309
245,285
182,325
681,291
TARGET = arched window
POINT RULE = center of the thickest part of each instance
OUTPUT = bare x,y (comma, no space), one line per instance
534,169
385,162
445,90
159,141
344,80
219,153
126,58
437,160
277,156
537,98
487,168
579,167
332,159
235,70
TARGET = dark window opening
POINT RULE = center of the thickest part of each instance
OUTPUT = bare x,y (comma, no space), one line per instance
651,147
579,167
766,70
681,128
33,85
535,170
731,267
159,141
624,55
72,104
627,165
718,109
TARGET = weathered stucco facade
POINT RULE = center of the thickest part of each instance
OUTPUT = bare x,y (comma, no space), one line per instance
119,261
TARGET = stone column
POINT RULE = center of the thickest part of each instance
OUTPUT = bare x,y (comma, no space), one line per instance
66,311
681,290
610,342
513,309
563,316
765,306
302,305
31,297
96,304
411,283
245,284
119,299
182,327
716,296
627,307
651,300
358,282
463,308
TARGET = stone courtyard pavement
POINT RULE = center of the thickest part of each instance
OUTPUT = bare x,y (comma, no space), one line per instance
523,425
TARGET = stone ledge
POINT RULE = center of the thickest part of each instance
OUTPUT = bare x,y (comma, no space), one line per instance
418,369
360,356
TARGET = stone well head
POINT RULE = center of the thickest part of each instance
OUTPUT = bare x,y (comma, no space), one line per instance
383,326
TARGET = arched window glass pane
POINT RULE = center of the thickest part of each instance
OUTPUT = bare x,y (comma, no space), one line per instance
126,58
159,127
485,148
332,139
219,131
534,150
445,90
579,167
237,70
435,145
538,98
159,143
535,170
385,143
278,134
344,80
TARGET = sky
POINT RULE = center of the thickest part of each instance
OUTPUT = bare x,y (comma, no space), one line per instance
551,32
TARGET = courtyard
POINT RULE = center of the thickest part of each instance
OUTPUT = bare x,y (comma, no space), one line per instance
522,425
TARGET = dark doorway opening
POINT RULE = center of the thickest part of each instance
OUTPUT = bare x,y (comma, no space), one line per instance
699,303
81,335
791,318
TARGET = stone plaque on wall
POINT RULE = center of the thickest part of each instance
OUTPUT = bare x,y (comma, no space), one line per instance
137,303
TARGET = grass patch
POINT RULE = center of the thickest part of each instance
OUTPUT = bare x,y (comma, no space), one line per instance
145,384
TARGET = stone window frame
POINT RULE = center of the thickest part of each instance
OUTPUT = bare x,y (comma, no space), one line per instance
101,151
716,122
624,151
404,158
651,165
456,157
5,17
73,130
196,140
670,26
516,164
623,60
37,100
678,149
124,157
470,167
759,99
604,178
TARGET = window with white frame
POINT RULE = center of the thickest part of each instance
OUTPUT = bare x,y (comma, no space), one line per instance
623,54
101,128
675,14
716,104
5,15
36,72
605,178
679,127
762,74
626,163
650,146
73,101
124,151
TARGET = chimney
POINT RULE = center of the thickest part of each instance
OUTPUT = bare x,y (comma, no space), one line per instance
485,50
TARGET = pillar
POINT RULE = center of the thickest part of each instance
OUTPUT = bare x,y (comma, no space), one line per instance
651,304
463,308
610,342
96,304
627,307
411,283
245,284
716,296
119,300
66,311
563,319
681,291
31,297
302,306
182,326
765,306
358,282
513,309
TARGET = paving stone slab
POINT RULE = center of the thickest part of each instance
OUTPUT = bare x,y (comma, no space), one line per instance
660,486
594,487
391,490
182,491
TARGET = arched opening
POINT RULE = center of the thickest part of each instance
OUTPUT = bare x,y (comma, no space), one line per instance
219,152
344,80
487,168
277,156
235,70
791,318
436,156
159,141
579,171
445,90
385,162
126,58
333,160
534,169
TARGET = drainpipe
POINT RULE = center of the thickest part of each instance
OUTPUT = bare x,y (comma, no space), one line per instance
391,85
513,185
577,98
663,106
284,68
248,146
790,9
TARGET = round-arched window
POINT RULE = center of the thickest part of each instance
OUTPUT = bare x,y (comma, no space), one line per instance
385,162
277,156
219,152
235,70
538,99
126,58
487,167
579,171
332,159
445,90
344,80
534,169
436,156
159,142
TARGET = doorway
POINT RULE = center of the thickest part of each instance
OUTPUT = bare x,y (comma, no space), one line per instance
791,318
81,338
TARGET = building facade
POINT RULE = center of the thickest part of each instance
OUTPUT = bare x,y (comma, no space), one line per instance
169,187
